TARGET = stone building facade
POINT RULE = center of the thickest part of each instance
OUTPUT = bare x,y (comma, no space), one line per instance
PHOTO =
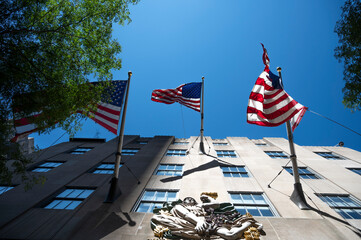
70,204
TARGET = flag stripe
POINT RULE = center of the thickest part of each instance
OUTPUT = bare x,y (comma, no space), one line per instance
189,97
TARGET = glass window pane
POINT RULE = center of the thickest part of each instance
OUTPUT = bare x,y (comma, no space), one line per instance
253,211
179,167
160,196
144,207
227,174
65,193
52,204
149,195
247,198
172,196
73,205
259,199
236,198
85,193
162,167
75,193
265,211
241,210
63,204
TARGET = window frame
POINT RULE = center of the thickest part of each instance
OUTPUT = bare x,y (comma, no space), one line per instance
4,189
173,153
57,199
77,151
140,199
301,173
339,209
49,168
110,170
267,203
169,170
130,151
355,170
226,153
279,156
329,155
246,171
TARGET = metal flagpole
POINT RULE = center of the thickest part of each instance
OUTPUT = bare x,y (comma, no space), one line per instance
201,146
297,196
114,190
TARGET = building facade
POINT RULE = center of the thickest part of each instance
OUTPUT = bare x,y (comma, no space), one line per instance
254,175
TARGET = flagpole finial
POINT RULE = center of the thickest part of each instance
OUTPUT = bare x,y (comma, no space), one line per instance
202,78
279,69
130,73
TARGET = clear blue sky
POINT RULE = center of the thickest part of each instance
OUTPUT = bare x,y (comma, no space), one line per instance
173,42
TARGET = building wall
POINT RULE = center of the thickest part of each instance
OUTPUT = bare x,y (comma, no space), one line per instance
23,215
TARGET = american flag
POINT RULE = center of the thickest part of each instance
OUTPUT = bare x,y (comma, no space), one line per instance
188,94
107,113
108,109
269,104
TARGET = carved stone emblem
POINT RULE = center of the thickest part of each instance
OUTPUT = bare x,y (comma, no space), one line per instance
208,220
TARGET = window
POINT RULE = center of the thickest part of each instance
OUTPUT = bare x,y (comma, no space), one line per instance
5,189
255,203
47,166
106,168
234,171
275,154
355,170
304,172
347,206
170,170
329,155
81,150
176,152
261,144
154,199
226,153
69,199
129,151
220,144
180,143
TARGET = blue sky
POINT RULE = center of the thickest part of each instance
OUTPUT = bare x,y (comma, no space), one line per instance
169,43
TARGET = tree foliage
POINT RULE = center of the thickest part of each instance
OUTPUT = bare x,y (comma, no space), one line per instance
49,50
348,29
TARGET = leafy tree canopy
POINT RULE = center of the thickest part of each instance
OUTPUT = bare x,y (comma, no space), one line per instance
49,49
348,29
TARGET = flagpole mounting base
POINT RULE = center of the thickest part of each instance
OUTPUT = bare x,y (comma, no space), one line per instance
114,191
298,197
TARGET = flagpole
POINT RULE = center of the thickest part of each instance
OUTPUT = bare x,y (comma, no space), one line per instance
201,146
297,196
114,190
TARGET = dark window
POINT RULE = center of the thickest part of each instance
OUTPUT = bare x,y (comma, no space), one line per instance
129,151
170,170
226,153
81,150
276,154
5,189
329,155
220,144
69,199
154,199
254,203
176,152
234,171
348,207
106,168
304,172
355,170
47,166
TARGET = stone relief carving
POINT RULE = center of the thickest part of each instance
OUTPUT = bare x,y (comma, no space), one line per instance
208,220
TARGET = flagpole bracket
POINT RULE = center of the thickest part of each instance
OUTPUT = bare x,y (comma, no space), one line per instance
298,197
